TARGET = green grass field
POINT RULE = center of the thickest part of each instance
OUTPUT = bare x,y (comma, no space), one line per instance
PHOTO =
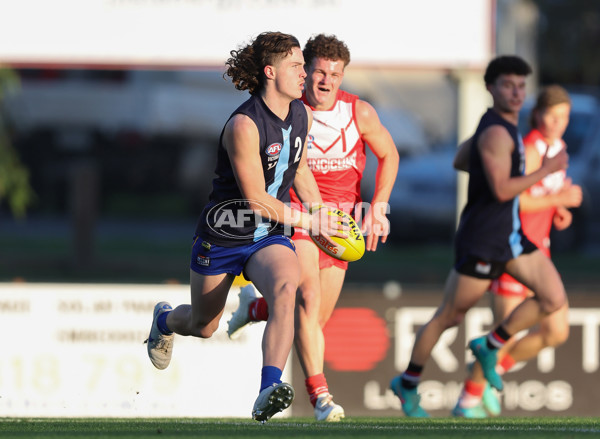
405,428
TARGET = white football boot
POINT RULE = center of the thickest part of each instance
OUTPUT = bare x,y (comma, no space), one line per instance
328,411
240,317
160,346
272,400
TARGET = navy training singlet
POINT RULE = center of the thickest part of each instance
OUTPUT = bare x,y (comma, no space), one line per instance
490,229
227,220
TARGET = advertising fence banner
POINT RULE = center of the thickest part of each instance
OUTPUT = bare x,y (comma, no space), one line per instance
77,350
369,339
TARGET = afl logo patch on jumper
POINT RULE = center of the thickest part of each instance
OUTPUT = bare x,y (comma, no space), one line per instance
273,149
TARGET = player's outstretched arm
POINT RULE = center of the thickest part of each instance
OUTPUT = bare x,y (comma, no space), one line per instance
496,146
375,224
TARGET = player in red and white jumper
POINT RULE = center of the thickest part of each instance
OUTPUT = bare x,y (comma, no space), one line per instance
543,205
342,125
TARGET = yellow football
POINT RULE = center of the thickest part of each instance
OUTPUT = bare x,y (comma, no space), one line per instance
350,249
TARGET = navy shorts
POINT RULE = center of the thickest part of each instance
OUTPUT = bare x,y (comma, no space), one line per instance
476,267
209,259
483,268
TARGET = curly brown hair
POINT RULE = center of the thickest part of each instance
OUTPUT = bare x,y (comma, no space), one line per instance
246,65
326,46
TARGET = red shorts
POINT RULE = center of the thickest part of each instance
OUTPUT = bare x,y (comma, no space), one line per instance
506,285
325,261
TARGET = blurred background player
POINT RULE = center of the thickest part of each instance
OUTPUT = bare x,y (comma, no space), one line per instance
248,188
543,205
342,125
489,239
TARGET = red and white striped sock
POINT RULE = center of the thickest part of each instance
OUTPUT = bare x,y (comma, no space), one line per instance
505,364
316,385
471,394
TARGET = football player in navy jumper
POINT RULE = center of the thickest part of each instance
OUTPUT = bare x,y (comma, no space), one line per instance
489,239
243,228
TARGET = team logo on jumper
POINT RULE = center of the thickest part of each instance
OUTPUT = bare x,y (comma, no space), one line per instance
326,165
273,149
203,261
235,219
309,141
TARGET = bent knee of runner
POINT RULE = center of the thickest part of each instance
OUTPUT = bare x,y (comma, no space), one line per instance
323,319
553,302
284,299
309,299
201,328
457,320
556,335
447,318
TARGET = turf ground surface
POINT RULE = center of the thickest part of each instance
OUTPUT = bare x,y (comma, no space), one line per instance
404,428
